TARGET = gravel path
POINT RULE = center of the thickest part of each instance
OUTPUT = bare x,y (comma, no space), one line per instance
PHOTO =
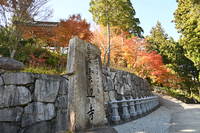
172,117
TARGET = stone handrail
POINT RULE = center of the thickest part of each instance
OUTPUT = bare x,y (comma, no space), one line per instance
132,108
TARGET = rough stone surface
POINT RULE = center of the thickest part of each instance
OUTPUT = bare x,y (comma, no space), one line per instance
77,85
46,90
12,95
37,112
10,64
63,90
61,123
9,128
41,127
19,111
125,84
86,103
11,114
62,102
47,77
101,130
1,81
109,85
19,78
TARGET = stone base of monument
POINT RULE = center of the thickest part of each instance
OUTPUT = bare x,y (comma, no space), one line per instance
100,130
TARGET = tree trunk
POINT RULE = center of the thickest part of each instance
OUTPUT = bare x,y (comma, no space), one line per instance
198,82
104,57
199,91
109,50
12,54
191,92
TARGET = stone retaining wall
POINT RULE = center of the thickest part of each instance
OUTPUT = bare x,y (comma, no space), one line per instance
33,103
120,83
38,103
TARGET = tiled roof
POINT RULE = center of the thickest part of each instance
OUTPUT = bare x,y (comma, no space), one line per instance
40,23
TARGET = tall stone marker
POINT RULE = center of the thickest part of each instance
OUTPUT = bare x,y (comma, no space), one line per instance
86,98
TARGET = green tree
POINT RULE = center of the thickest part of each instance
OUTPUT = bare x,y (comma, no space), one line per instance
159,42
174,56
10,39
187,20
115,13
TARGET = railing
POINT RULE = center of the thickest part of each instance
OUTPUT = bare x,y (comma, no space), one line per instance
132,108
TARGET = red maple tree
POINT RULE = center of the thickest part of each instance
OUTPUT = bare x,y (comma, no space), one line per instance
131,54
60,33
74,26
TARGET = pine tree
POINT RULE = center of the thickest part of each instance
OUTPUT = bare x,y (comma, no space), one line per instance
187,20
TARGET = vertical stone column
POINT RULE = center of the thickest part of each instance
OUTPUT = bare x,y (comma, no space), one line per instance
86,100
132,110
115,114
125,115
133,113
138,107
147,104
143,105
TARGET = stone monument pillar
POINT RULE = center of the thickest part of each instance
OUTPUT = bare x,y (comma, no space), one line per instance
86,97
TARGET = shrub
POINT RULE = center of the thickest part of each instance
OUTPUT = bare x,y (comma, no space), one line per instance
41,58
43,70
4,52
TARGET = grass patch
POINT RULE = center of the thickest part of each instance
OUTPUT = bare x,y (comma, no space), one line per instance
44,70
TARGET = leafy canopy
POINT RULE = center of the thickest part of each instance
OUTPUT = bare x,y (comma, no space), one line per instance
173,54
187,20
131,54
116,13
73,26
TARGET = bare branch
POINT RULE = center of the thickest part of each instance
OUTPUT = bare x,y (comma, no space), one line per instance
24,10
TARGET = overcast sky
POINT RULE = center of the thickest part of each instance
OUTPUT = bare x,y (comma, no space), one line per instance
148,11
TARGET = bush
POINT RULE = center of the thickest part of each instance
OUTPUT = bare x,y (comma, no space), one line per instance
4,52
43,70
23,54
40,58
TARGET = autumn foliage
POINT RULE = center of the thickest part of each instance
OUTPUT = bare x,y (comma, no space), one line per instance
60,34
3,2
39,30
74,26
131,53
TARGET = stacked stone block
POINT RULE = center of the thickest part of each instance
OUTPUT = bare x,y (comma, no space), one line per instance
119,84
33,103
